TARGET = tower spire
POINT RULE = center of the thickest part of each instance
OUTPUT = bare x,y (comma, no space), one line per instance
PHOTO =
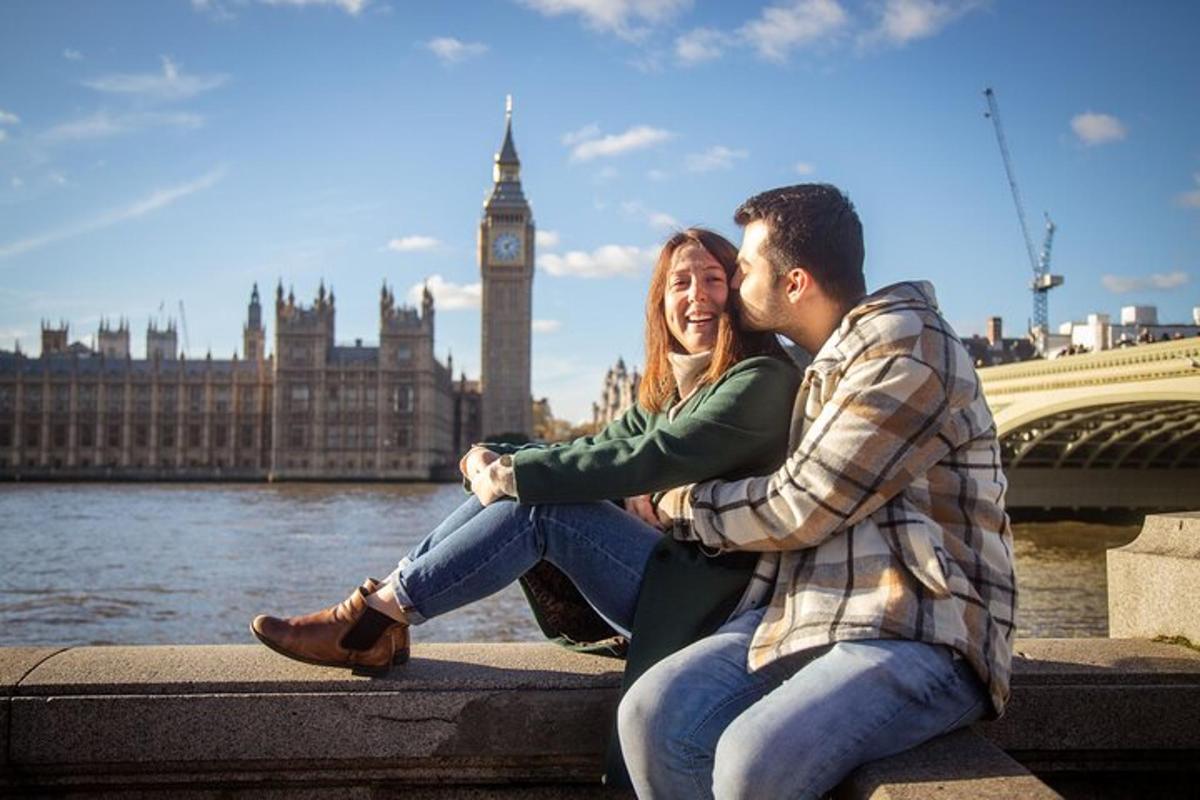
508,151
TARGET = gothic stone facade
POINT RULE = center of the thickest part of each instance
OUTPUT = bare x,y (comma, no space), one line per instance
314,411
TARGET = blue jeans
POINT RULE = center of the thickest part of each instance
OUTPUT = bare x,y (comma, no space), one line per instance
477,551
698,725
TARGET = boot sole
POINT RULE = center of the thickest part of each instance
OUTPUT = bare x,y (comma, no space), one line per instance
355,669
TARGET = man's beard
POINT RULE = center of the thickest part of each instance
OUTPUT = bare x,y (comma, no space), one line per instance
746,319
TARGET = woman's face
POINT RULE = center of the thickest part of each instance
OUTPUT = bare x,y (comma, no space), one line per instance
694,298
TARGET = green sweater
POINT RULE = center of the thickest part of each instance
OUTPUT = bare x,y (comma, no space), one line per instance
732,428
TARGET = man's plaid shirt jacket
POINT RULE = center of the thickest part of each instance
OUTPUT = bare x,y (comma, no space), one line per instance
887,520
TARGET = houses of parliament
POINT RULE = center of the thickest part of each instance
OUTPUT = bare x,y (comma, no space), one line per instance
311,410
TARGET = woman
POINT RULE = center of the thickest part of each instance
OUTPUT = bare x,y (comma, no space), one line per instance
714,401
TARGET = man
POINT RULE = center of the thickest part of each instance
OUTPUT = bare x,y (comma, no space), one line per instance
881,613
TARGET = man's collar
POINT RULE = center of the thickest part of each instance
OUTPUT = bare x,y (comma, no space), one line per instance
879,301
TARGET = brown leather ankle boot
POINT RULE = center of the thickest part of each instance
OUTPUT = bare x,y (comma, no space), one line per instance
350,634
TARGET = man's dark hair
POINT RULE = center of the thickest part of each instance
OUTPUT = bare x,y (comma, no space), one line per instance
814,226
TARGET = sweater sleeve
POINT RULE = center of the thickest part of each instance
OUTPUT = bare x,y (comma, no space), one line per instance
736,425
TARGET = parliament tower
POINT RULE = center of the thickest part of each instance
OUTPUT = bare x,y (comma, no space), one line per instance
506,266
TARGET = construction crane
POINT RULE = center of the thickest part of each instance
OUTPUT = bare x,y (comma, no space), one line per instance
1043,281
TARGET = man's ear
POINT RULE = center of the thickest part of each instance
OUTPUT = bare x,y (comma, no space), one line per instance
797,283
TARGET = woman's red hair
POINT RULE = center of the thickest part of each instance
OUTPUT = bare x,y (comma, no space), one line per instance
657,389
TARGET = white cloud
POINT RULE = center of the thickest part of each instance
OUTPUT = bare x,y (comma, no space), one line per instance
1093,129
638,137
451,51
655,219
351,7
715,157
629,19
57,178
8,118
700,45
156,200
1158,281
804,168
448,296
103,124
412,244
606,174
1190,199
72,55
603,262
584,134
783,28
663,221
904,21
170,84
546,326
215,9
16,182
658,175
546,238
3,134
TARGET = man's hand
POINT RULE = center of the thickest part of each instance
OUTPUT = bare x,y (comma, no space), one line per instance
643,508
493,482
476,459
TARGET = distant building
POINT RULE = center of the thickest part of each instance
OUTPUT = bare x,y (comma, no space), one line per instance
547,427
619,393
506,258
1138,325
468,414
316,410
993,348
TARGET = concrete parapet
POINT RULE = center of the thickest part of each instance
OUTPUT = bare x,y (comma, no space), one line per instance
961,765
241,717
1154,581
513,720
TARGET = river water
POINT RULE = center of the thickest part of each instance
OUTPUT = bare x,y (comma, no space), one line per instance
193,563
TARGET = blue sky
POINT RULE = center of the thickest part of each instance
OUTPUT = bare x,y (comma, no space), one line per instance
178,149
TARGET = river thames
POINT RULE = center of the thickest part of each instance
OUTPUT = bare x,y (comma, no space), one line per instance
193,563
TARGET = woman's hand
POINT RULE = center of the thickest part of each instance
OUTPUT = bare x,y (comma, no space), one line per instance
643,508
476,459
494,481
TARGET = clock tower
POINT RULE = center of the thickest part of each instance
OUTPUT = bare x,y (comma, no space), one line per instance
506,267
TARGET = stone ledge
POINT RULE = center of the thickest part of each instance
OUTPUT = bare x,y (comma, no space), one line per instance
961,765
507,719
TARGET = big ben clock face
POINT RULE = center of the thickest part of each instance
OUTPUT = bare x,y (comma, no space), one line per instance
506,247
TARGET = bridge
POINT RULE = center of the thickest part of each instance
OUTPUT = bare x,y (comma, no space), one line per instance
1113,429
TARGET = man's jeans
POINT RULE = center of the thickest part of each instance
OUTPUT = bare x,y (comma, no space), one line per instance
698,725
477,551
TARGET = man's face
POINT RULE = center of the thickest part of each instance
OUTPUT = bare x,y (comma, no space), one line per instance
759,290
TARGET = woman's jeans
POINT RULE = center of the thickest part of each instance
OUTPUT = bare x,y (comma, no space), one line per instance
697,724
477,551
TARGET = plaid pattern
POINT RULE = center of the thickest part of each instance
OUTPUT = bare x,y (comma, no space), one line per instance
887,520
